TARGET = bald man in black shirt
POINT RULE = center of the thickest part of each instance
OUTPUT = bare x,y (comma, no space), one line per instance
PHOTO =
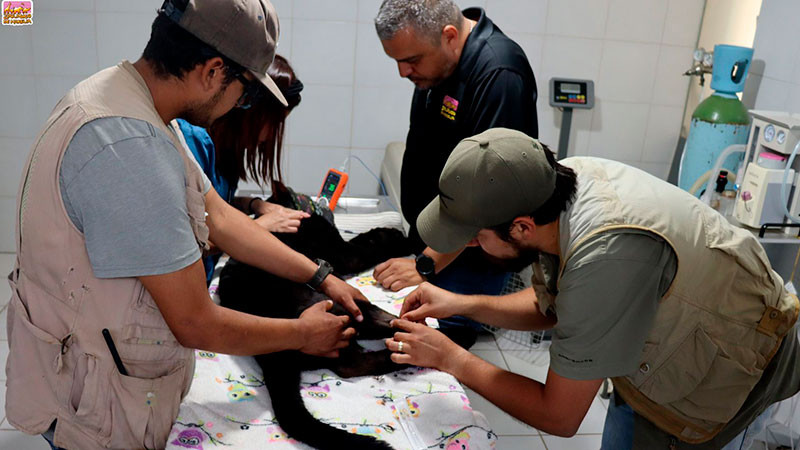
469,77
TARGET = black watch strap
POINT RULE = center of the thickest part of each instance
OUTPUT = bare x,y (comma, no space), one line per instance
323,271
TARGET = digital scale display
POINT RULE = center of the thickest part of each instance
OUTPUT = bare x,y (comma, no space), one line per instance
568,93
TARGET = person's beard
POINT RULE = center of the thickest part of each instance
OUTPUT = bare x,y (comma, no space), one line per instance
201,114
525,257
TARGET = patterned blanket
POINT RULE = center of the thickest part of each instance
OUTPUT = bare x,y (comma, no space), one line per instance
413,409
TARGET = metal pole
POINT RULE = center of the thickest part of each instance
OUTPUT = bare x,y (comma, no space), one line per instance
563,137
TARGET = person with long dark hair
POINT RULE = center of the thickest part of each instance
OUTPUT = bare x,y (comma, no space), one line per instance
248,143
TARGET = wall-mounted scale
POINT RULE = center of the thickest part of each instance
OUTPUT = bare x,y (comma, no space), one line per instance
568,94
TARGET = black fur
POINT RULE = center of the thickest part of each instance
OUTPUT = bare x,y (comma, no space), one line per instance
243,288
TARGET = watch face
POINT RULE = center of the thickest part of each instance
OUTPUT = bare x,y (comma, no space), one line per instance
425,265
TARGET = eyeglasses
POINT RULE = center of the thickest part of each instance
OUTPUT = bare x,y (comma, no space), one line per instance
252,91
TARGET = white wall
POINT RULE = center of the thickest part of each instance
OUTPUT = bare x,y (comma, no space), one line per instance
776,83
354,102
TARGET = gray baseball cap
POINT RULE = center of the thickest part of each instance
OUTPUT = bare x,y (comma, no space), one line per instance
245,31
489,179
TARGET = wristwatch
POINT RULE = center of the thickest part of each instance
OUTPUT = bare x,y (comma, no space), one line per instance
425,266
323,271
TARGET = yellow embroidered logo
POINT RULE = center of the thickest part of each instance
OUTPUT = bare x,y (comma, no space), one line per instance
449,107
17,13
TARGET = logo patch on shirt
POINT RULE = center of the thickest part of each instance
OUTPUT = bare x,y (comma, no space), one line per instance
449,107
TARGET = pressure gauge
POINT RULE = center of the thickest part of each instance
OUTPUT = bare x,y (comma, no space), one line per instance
781,137
708,59
769,133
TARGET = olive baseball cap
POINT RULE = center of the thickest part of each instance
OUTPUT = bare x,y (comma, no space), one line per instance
245,31
489,179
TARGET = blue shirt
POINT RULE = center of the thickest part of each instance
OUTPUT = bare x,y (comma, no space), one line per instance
202,148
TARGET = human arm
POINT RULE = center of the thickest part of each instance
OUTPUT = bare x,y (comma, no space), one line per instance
272,217
517,311
197,322
398,273
557,407
245,241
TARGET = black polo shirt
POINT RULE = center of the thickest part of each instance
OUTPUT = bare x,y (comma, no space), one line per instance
492,86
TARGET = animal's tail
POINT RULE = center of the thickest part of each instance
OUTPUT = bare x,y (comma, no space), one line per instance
293,417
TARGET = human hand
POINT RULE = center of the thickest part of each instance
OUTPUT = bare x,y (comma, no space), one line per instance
423,346
430,301
323,333
276,218
397,273
343,294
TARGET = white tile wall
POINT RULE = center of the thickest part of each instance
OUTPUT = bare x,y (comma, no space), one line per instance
627,72
528,16
61,5
380,115
324,116
683,21
17,44
636,20
777,44
65,43
618,130
110,25
577,18
322,44
355,102
18,111
670,89
340,10
658,136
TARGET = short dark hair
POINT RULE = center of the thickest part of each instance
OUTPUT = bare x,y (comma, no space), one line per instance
563,195
174,51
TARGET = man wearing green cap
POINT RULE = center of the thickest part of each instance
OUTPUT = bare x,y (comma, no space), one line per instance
639,281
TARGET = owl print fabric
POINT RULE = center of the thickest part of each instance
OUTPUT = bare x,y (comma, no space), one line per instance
229,407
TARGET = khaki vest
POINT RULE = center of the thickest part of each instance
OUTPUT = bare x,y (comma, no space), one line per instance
59,365
723,317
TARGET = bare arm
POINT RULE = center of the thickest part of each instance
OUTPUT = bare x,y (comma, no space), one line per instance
556,407
517,311
240,237
197,322
243,239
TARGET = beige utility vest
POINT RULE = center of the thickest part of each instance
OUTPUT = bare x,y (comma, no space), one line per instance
723,317
59,366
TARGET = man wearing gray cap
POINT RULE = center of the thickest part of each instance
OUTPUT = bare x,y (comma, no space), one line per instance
639,281
108,291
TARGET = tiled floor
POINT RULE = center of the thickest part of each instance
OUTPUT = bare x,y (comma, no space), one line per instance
513,435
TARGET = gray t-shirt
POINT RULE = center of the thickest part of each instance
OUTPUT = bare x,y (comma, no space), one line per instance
123,186
606,302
